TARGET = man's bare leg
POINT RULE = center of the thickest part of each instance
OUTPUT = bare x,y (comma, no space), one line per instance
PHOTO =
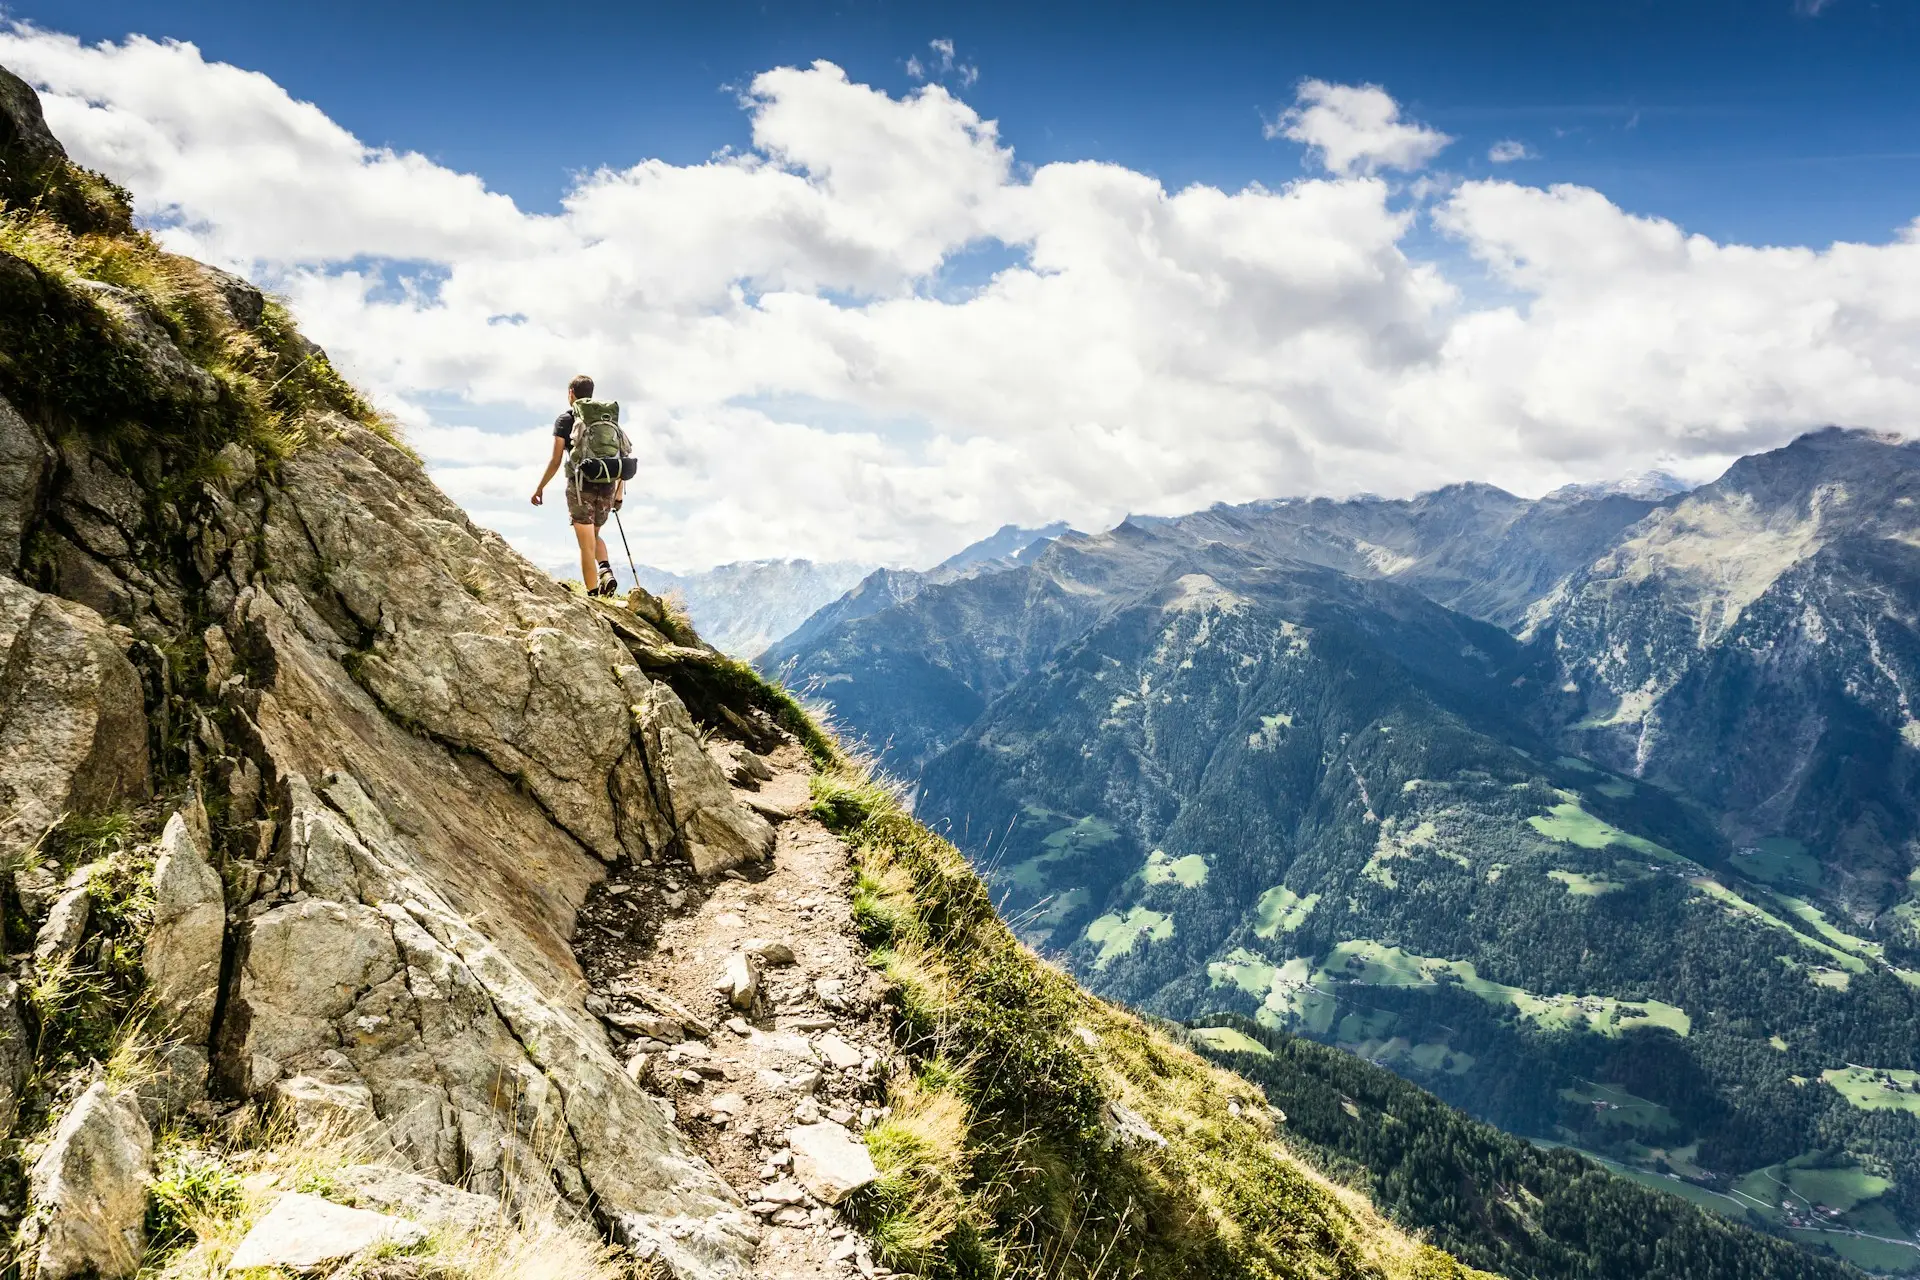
590,544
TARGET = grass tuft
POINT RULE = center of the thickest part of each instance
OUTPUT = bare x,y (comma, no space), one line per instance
71,359
921,1152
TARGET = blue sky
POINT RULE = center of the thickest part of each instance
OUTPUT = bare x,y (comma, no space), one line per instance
996,264
1752,120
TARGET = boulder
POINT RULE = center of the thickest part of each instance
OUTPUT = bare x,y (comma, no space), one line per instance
88,1190
64,928
244,304
716,833
302,1232
829,1162
644,1022
1126,1127
183,949
73,725
16,1055
837,1053
740,765
774,955
739,982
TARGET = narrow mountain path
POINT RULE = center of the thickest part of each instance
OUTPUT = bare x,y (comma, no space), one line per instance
747,1005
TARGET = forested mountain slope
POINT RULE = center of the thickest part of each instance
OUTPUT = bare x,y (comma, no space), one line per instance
1553,1214
1629,862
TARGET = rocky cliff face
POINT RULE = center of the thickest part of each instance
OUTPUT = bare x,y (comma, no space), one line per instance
422,753
417,752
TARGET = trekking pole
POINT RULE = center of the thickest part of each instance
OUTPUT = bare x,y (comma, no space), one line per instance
629,549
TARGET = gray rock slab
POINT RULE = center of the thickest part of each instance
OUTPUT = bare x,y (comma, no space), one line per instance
88,1190
64,928
182,955
302,1232
829,1162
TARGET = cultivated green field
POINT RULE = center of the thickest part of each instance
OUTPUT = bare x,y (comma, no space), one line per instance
1568,823
1281,910
1116,934
1616,1107
1189,872
1227,1040
1301,993
1808,1182
1582,885
1872,1089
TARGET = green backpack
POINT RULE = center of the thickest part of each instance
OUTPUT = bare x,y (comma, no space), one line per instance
600,452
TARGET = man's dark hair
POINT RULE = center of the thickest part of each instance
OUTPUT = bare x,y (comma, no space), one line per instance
581,386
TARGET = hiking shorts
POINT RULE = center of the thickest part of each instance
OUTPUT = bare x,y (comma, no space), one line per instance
589,503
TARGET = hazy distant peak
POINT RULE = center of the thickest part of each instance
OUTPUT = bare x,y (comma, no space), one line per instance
744,606
1010,540
1649,486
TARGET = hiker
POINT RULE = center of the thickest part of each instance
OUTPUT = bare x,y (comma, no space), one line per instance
599,463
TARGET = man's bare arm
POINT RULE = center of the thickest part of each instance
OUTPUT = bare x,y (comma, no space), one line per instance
553,465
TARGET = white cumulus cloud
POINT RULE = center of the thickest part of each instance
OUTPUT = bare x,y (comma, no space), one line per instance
1356,129
1507,150
813,363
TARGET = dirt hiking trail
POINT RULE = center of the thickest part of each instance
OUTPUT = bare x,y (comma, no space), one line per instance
747,1005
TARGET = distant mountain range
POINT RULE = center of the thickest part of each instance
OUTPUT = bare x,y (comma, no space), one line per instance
741,607
1597,814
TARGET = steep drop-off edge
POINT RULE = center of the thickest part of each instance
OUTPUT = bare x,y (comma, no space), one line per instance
303,780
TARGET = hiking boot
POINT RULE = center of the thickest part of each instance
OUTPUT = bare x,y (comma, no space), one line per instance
608,586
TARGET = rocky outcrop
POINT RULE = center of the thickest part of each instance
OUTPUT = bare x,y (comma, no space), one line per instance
73,724
25,461
829,1162
184,947
425,753
410,1196
719,833
89,1191
454,746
